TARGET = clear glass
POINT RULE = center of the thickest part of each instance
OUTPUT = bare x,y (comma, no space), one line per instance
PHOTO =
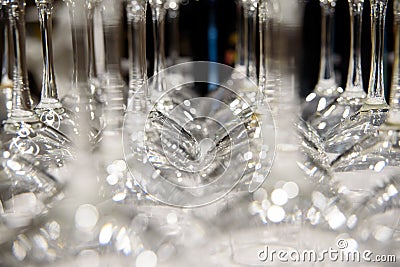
354,96
50,109
249,35
92,7
6,66
326,91
80,99
136,14
26,192
23,131
158,12
114,88
376,158
374,111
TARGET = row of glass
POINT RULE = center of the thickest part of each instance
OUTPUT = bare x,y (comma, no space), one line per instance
69,194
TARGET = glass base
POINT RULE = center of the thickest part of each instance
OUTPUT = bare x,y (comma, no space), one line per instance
352,130
335,113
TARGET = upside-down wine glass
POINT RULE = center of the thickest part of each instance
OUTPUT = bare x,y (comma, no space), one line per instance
80,95
378,154
353,96
374,110
23,130
50,110
326,91
5,79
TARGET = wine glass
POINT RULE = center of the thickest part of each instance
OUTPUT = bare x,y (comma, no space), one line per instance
191,143
353,97
49,109
374,110
23,130
326,91
5,80
26,192
376,157
80,98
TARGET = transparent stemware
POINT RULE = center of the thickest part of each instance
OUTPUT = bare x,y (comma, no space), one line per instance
326,91
23,131
245,73
26,192
250,19
383,146
158,12
114,88
5,79
50,109
136,15
80,96
374,111
94,79
353,96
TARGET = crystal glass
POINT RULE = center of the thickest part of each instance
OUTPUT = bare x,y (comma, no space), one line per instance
26,192
374,111
6,66
326,91
374,160
136,14
114,88
49,109
80,96
23,130
353,97
187,145
158,12
92,7
249,35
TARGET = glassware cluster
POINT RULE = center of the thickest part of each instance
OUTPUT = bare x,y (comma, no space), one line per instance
146,171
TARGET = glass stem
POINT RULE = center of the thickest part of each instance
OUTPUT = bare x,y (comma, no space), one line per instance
263,70
173,15
250,15
239,62
137,46
92,53
5,80
394,113
376,88
354,82
49,96
326,71
80,48
158,15
114,87
21,99
112,36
